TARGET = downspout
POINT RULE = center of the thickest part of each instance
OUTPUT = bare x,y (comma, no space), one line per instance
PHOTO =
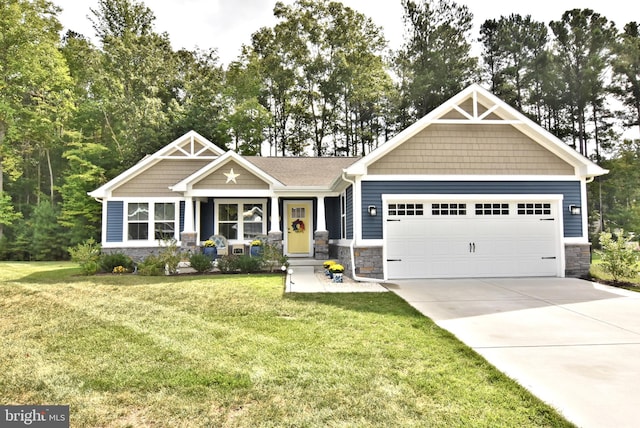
352,245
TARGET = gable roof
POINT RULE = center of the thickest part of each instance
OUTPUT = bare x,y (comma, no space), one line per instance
189,146
484,108
229,156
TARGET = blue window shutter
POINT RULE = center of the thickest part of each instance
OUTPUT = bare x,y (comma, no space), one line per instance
349,208
115,219
332,214
181,217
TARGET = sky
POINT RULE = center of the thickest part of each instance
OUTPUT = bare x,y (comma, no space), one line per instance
228,24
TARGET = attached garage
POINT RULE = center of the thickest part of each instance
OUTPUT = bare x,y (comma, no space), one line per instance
472,189
472,236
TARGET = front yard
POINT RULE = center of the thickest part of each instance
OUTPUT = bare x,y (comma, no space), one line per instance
233,351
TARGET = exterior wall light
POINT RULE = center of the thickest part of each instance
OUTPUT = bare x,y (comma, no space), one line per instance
372,210
574,209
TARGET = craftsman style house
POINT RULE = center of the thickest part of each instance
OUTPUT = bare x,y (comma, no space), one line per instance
472,189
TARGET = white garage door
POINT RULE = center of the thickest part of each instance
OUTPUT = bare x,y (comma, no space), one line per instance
432,239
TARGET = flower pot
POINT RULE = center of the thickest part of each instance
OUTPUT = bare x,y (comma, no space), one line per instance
211,252
255,250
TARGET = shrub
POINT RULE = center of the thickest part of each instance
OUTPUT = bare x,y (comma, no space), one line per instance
112,260
200,262
228,263
152,265
248,264
170,255
272,258
86,254
619,259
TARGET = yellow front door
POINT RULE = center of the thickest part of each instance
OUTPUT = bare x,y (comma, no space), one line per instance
299,228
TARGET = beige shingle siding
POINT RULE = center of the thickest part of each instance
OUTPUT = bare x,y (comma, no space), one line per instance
471,149
217,179
155,181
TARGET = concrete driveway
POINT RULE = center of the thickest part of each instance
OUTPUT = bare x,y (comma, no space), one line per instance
573,343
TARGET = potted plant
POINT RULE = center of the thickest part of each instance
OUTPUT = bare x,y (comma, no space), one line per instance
336,272
255,249
336,268
209,249
327,265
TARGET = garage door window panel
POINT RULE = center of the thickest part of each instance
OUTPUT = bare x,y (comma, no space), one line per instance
445,209
492,209
534,208
405,210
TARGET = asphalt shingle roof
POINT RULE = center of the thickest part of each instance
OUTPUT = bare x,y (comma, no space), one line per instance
303,171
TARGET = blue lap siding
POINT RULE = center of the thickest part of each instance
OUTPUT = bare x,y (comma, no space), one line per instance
372,191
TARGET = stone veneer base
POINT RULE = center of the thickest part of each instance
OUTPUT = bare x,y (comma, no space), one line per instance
369,260
577,260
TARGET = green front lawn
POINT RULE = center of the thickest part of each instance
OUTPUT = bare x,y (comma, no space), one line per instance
233,351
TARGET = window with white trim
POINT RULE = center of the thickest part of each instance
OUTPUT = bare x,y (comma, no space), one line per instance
164,217
138,221
148,221
492,209
534,208
405,209
439,209
241,220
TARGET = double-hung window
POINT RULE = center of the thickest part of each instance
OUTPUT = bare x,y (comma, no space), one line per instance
241,220
138,221
147,221
164,220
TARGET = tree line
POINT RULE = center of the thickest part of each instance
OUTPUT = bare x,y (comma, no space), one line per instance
320,82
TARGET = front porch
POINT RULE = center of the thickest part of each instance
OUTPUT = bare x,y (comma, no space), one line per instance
297,227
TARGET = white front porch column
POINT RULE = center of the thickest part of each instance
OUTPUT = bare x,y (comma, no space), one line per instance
275,215
322,222
188,236
188,215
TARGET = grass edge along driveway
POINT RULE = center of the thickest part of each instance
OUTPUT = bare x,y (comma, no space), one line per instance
233,351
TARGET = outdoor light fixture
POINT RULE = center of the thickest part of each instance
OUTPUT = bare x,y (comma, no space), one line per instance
574,209
372,210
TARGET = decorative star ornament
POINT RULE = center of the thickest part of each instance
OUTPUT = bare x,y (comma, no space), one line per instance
231,176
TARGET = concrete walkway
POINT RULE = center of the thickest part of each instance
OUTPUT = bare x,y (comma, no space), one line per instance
310,279
572,343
